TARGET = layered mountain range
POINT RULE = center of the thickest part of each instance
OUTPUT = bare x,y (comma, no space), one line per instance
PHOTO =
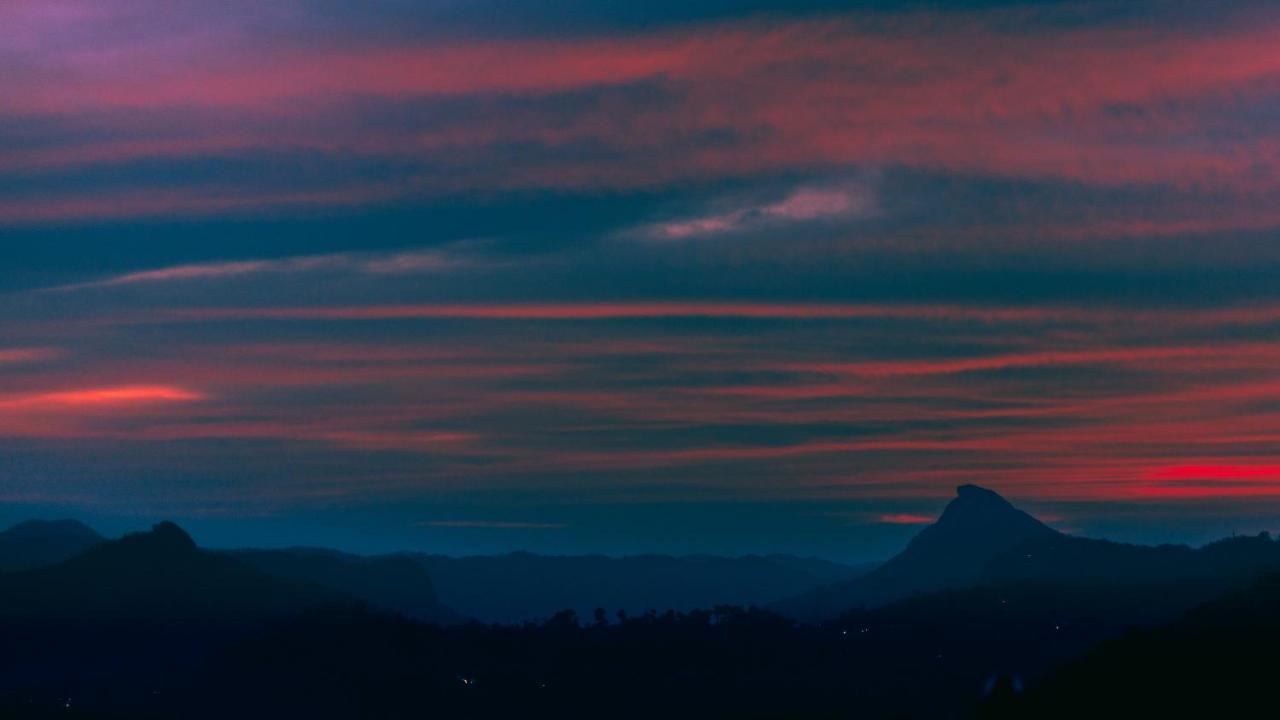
985,601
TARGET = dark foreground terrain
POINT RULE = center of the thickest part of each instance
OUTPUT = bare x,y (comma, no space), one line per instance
987,613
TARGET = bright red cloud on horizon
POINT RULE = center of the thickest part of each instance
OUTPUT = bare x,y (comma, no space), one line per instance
904,519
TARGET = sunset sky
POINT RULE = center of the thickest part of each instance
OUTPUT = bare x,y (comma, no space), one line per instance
585,276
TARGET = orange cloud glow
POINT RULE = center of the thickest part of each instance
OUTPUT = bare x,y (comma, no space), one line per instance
100,397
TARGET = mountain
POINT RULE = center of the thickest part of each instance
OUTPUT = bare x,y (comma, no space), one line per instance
390,583
129,617
156,576
34,543
975,528
523,587
153,626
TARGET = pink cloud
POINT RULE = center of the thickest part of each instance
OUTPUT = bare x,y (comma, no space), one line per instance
100,397
1096,356
617,310
823,420
979,97
802,204
904,519
402,263
16,356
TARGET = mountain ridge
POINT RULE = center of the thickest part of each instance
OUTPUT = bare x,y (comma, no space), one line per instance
33,543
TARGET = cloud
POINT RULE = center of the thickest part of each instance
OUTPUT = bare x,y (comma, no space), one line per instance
904,519
17,356
610,310
402,263
99,397
1150,356
804,204
902,401
984,92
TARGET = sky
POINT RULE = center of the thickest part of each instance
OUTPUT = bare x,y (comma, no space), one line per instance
582,276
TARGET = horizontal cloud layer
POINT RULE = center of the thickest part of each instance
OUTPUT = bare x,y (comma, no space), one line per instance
761,267
209,105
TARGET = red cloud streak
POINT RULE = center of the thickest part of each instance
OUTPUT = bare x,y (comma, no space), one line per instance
1104,105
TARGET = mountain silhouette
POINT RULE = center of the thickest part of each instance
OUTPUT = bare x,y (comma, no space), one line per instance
34,543
525,587
390,583
135,613
976,527
156,576
985,601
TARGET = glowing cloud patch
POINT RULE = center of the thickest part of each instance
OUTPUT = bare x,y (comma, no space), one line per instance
102,397
904,519
15,356
801,205
1217,472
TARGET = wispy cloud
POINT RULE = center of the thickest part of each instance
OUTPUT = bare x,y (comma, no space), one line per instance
904,519
883,518
640,310
102,396
805,204
17,356
966,92
401,263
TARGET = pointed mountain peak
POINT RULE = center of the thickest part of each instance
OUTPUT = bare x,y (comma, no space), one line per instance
164,537
172,533
972,498
978,493
977,526
981,516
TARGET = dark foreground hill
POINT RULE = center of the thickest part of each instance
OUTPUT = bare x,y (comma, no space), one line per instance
1216,661
133,615
34,543
151,626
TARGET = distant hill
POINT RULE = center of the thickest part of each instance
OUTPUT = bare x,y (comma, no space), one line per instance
34,543
520,587
975,528
391,583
